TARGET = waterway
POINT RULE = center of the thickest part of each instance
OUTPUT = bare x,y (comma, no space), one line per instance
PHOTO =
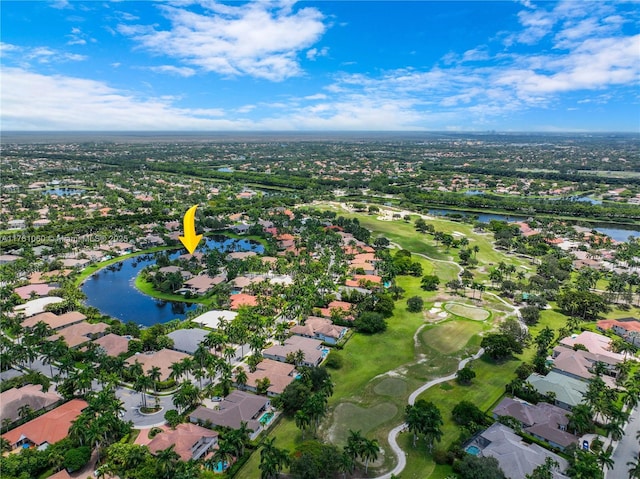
616,232
63,191
113,292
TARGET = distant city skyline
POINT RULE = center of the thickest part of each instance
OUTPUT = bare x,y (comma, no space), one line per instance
320,66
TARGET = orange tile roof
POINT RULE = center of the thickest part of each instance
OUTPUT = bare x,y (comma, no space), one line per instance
51,427
243,299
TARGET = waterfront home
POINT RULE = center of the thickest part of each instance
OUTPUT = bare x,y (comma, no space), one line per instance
113,344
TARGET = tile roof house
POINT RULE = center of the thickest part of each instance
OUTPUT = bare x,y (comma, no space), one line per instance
568,391
189,440
237,407
516,458
544,421
162,359
627,328
113,344
55,321
203,283
242,299
314,353
47,429
280,376
187,340
80,333
25,292
580,364
320,328
30,395
595,343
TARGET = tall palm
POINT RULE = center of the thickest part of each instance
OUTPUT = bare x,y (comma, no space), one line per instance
370,450
241,377
604,459
302,420
166,462
154,374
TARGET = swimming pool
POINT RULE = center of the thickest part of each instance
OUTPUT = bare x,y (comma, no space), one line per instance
221,466
325,351
266,418
473,450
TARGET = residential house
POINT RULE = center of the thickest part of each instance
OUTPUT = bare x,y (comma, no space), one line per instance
189,441
242,299
80,333
280,376
30,395
47,429
594,342
55,321
203,283
113,344
313,351
25,292
237,407
516,458
627,328
187,340
543,421
320,328
581,364
568,391
211,319
36,306
162,359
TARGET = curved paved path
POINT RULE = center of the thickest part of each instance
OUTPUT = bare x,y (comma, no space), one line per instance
393,434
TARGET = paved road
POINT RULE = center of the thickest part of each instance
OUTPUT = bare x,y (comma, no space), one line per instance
627,449
393,434
132,401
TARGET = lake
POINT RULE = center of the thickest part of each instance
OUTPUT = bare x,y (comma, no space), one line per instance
112,289
616,232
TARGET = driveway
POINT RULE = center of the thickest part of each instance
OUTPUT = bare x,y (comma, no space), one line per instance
132,400
627,449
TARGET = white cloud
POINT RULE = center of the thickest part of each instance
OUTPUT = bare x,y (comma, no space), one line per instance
31,101
314,53
261,40
174,70
43,55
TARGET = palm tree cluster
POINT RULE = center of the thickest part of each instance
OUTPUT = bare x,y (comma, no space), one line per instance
424,419
272,459
359,447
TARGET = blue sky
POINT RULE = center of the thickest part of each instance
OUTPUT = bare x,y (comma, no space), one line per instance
346,65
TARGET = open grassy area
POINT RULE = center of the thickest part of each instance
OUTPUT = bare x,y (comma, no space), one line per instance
466,311
450,336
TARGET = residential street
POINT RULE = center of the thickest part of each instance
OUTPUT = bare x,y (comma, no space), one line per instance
627,449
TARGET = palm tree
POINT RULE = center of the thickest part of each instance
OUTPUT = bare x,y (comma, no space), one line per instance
155,375
413,418
605,459
581,419
370,449
354,445
241,377
302,421
166,462
634,468
272,459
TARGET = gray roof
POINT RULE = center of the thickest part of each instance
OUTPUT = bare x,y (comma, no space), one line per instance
187,340
516,458
568,390
236,407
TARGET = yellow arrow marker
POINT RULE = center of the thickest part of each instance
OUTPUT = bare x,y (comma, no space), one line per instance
190,239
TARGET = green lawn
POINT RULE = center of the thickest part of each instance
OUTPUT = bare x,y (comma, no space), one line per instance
466,311
450,336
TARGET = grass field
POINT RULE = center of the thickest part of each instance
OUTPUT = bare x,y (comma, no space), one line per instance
450,336
466,311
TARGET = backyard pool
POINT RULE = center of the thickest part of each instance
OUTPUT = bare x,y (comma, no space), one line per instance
266,418
220,466
474,450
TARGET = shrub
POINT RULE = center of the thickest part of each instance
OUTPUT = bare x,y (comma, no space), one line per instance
333,361
415,304
75,459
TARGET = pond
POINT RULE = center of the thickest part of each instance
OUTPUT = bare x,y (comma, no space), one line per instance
112,289
617,232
